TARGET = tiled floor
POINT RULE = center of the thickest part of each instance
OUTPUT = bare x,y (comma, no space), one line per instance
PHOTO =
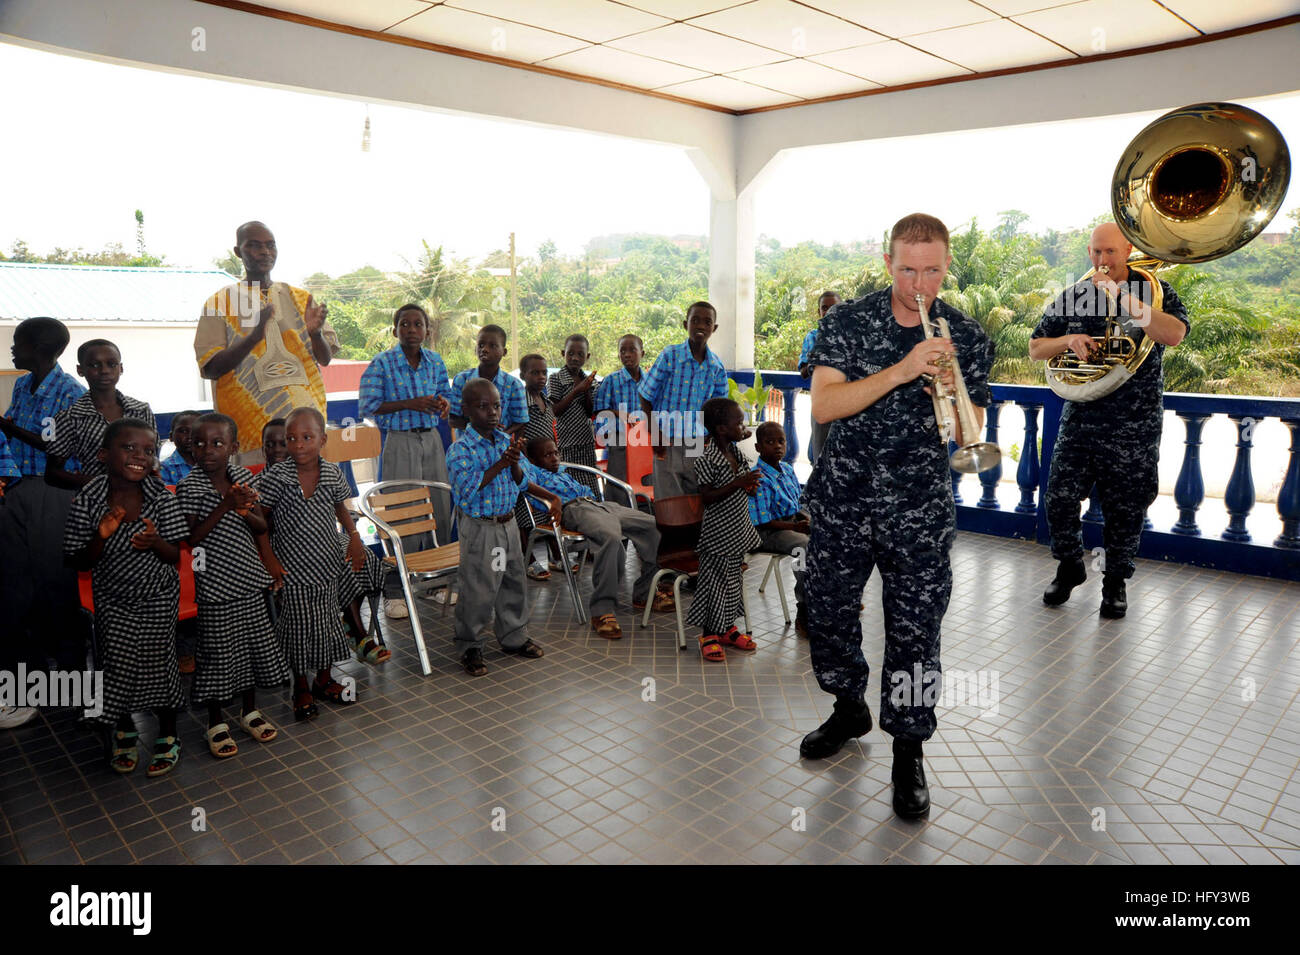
1171,736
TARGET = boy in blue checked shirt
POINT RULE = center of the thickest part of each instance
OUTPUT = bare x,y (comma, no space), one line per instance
39,592
775,511
604,524
486,478
405,390
673,393
617,398
825,303
177,465
491,347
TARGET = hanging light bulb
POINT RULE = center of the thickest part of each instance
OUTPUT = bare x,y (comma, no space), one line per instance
365,133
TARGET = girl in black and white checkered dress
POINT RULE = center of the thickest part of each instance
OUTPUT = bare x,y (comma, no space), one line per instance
725,479
573,394
304,497
125,527
237,649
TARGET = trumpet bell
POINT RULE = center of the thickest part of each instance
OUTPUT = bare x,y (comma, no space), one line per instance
974,458
1200,182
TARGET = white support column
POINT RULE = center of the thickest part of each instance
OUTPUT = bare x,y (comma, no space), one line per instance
731,278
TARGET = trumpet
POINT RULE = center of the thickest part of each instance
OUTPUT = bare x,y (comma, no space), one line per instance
954,408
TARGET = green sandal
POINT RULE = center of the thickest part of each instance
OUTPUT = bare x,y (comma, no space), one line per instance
370,650
125,758
164,758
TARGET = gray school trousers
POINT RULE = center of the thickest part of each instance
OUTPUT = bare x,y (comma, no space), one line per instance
675,473
419,455
492,577
604,525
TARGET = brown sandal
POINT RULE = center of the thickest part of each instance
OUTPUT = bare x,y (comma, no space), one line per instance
606,625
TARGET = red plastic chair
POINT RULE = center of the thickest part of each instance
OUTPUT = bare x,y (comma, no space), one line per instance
185,567
640,461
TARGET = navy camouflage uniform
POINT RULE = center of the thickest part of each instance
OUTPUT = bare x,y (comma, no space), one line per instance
880,496
1113,442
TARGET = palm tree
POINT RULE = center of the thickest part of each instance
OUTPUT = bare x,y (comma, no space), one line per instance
454,302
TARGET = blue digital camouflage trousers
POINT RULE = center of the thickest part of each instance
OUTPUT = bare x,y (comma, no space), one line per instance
908,540
1124,466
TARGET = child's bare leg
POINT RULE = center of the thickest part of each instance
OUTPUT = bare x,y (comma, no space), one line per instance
214,715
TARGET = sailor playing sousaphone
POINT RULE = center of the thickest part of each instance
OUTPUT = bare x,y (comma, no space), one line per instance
1196,184
1114,440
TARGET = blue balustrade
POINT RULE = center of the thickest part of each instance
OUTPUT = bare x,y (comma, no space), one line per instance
1288,498
1234,550
1189,491
1240,495
989,479
1027,472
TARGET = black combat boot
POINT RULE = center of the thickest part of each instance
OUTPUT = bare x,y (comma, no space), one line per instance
849,720
1114,602
911,794
1069,574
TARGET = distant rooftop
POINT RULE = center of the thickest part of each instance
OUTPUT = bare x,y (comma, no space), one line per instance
98,293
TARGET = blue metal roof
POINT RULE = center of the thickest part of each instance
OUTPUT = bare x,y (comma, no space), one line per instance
97,293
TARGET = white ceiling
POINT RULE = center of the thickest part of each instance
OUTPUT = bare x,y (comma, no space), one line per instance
747,54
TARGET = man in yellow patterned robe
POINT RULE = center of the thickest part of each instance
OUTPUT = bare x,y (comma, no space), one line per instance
263,343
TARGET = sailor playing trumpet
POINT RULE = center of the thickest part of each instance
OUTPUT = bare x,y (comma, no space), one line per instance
881,497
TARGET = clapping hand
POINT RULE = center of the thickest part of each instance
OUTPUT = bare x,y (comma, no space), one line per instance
147,538
314,316
109,523
241,498
749,482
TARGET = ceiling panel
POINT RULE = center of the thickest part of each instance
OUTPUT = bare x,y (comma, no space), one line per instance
994,45
594,20
792,28
1100,26
630,68
804,79
897,19
1010,8
1212,16
682,9
732,94
699,49
469,31
372,15
891,64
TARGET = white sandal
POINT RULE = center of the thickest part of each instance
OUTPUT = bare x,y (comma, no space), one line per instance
216,748
264,733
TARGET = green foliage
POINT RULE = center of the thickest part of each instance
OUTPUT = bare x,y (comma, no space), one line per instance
752,400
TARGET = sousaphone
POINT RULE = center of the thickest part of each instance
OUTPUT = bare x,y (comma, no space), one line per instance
1198,183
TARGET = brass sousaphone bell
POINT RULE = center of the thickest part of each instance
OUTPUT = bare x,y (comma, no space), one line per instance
1198,183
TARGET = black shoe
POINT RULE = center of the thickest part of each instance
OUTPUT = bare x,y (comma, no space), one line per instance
473,663
849,720
1069,574
1114,602
911,794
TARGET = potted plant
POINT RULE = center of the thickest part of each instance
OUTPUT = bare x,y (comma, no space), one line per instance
752,401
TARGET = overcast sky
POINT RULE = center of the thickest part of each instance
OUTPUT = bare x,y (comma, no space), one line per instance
87,143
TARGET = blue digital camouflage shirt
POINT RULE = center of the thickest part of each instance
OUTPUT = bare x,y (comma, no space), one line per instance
1081,310
892,448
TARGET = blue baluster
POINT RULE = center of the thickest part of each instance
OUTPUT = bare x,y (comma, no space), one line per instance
989,479
791,435
1093,514
1027,472
1288,498
955,476
1189,491
1240,496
